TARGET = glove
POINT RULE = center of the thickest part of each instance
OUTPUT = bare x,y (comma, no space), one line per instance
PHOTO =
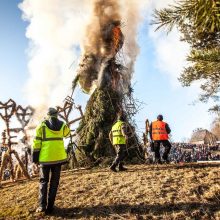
35,157
152,146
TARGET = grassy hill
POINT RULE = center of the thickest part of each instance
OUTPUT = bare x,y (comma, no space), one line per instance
190,191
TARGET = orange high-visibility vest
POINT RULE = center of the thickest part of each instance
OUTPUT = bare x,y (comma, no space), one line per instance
159,131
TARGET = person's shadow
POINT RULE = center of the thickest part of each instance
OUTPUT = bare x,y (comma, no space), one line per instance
140,209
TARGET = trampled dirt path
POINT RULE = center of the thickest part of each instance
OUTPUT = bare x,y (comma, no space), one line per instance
190,191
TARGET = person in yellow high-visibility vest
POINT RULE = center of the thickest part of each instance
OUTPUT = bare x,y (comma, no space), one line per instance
48,150
118,137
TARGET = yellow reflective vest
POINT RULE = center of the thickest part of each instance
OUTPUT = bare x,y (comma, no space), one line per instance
117,135
50,144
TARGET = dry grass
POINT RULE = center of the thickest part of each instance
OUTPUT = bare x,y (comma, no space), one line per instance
190,191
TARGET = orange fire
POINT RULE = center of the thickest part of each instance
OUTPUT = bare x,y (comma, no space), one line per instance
116,37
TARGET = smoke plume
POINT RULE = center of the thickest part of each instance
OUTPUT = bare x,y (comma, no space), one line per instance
113,24
55,31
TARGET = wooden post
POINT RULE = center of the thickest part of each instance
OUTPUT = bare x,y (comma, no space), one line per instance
21,165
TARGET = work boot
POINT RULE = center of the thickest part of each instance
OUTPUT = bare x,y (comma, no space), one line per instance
49,209
165,158
41,209
158,161
166,161
112,168
122,168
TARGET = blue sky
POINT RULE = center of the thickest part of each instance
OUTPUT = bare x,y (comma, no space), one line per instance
13,44
154,82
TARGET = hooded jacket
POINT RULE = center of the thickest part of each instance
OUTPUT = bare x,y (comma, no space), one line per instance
48,145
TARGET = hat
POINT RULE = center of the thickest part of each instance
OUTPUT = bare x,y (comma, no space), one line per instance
52,112
121,116
160,117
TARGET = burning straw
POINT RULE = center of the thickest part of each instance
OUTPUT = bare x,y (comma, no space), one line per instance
101,73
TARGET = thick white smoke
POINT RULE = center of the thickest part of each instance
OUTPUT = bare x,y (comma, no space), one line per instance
132,13
55,31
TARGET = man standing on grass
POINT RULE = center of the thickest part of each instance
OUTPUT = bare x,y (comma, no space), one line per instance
159,133
118,137
49,152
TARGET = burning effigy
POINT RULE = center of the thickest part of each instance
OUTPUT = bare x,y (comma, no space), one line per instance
102,74
99,67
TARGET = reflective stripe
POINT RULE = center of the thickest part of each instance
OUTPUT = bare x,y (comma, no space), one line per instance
159,132
44,132
49,139
53,162
36,150
38,138
52,139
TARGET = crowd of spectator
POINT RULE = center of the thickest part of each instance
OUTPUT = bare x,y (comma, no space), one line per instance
181,152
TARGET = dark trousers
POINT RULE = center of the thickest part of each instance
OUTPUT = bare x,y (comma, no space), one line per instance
121,154
48,199
167,147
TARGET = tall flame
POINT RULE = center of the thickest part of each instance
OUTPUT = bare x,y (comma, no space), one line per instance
116,37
